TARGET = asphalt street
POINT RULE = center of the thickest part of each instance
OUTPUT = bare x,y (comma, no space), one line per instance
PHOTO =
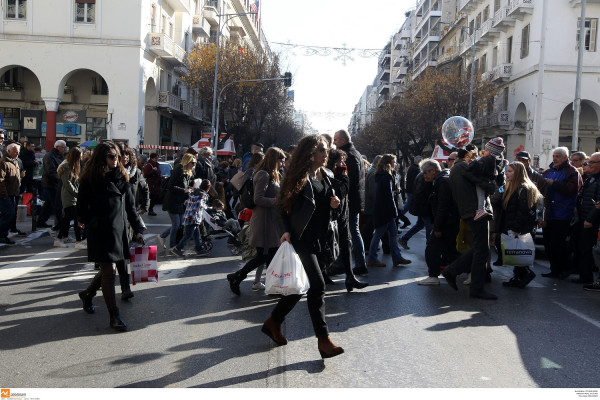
190,331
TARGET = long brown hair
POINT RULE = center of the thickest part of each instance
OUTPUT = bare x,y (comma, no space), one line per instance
96,167
520,180
296,175
269,163
385,163
74,161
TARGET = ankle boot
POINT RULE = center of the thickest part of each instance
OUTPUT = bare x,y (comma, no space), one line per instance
116,322
327,348
86,298
234,283
353,283
126,293
272,329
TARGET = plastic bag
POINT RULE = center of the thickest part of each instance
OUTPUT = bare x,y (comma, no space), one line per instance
518,251
285,274
143,264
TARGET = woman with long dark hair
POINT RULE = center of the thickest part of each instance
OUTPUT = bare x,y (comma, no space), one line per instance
264,227
307,202
104,205
341,184
517,213
68,172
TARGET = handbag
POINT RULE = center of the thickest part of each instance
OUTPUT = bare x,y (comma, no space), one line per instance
238,180
519,251
286,274
143,264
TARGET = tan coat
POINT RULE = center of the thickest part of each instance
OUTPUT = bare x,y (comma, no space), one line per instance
10,177
265,230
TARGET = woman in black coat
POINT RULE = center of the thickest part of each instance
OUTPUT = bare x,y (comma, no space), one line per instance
105,204
517,213
341,184
307,202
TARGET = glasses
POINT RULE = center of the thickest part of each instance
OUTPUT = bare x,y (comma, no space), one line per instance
111,156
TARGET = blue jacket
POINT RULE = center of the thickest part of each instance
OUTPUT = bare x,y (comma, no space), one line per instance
561,197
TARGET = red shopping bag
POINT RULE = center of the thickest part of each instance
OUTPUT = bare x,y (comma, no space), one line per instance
143,264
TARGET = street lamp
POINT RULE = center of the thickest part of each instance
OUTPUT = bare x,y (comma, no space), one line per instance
215,134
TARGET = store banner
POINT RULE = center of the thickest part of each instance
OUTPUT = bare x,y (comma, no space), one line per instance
71,117
31,121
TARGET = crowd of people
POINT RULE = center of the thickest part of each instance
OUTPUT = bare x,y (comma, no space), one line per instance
337,210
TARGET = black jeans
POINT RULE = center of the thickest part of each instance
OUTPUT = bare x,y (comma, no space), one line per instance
474,260
65,224
441,251
153,201
556,245
315,297
587,240
52,206
105,279
257,261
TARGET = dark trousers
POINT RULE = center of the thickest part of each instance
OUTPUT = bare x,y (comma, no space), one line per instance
52,206
474,260
7,214
65,224
442,250
13,226
587,240
257,261
556,245
153,201
315,297
105,279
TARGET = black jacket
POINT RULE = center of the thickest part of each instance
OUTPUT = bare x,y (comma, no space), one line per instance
205,170
105,209
384,206
178,183
443,207
411,174
586,209
517,216
28,159
463,190
419,205
51,161
356,173
139,188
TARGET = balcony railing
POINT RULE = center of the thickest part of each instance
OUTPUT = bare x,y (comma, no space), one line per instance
163,46
382,99
197,113
402,71
384,58
383,87
501,72
200,25
169,101
487,32
210,13
468,5
186,108
450,54
495,119
501,18
519,8
179,5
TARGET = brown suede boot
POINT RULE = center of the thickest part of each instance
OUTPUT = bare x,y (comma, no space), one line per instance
273,330
327,348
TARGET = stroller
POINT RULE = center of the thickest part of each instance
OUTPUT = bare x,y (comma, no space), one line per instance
219,232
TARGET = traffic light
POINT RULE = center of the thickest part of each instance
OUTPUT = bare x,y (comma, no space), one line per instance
287,79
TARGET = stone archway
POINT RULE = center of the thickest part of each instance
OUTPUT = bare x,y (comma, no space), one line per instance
589,131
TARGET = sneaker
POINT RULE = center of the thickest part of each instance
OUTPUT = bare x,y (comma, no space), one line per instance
59,243
404,244
152,214
161,242
479,214
430,281
403,261
360,271
19,233
375,264
513,282
81,245
594,287
176,251
258,286
6,240
69,239
202,253
467,281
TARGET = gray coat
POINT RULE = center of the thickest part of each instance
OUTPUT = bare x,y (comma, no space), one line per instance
265,229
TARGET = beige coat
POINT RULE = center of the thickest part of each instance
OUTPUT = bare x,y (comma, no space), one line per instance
10,177
265,230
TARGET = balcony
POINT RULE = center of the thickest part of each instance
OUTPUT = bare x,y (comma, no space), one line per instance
169,101
467,44
186,108
200,26
237,32
210,13
10,92
382,99
400,42
179,5
519,8
398,60
164,47
450,54
99,99
398,90
384,59
468,5
384,75
498,119
427,15
383,88
196,113
501,73
502,20
402,71
487,32
423,66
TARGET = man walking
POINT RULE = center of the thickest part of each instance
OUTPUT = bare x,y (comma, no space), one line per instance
52,184
356,196
10,182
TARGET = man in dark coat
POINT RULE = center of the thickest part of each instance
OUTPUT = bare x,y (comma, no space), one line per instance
10,181
153,179
356,196
420,209
441,247
206,170
474,260
411,175
52,184
27,156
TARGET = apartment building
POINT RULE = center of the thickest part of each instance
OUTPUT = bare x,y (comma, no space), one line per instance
109,69
362,114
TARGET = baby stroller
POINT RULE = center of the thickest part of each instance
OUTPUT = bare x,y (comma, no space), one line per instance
219,232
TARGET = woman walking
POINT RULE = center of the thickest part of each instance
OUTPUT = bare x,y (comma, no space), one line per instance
68,172
264,228
385,213
517,213
307,203
104,205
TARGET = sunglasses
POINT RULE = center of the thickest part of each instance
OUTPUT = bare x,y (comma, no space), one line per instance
111,156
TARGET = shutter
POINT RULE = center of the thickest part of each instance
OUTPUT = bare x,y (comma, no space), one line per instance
593,29
85,1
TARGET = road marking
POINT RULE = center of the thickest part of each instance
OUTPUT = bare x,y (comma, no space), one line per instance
30,264
578,314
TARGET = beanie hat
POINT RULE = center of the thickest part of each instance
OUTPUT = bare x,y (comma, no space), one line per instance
495,146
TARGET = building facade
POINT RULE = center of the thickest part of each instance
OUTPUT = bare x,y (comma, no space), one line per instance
109,69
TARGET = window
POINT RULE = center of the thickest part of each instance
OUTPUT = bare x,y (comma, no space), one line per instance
525,41
85,11
589,31
496,5
486,13
16,9
509,42
153,18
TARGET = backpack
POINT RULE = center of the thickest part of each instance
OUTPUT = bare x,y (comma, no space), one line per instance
247,194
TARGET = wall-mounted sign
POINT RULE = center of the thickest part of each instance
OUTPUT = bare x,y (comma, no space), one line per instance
71,116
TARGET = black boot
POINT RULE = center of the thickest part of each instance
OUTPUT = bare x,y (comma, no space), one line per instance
126,293
116,322
326,278
234,282
527,276
86,298
353,283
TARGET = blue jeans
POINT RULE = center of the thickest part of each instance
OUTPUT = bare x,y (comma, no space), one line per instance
407,203
176,220
422,222
358,247
391,229
7,214
188,232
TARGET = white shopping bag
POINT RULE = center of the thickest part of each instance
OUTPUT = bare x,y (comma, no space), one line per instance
285,274
518,251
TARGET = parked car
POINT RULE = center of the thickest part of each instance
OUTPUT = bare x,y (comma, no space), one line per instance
165,168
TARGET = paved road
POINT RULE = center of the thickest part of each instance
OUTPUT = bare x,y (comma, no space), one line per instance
189,330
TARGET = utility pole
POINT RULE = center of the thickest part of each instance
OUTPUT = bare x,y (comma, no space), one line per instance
577,101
